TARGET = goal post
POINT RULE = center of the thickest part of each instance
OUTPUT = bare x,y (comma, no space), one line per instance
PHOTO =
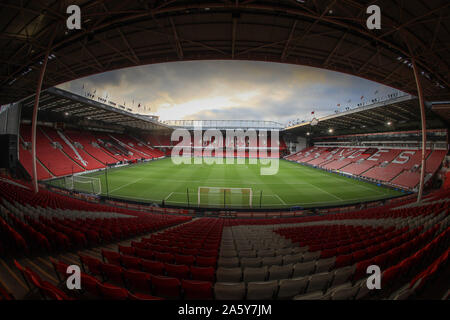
224,196
83,184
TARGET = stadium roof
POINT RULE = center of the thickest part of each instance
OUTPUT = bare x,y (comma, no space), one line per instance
225,124
399,113
57,105
320,33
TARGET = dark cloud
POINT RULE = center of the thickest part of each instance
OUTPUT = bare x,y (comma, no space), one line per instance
231,89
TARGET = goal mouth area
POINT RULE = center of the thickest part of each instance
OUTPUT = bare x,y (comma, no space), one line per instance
83,184
224,197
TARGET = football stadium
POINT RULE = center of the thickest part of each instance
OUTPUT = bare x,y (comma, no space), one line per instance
117,184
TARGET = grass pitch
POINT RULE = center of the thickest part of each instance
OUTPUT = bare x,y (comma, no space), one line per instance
293,185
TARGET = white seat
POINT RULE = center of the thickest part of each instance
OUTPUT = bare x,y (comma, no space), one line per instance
261,290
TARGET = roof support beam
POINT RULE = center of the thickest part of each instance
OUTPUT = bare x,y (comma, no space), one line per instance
137,61
233,36
288,42
327,61
178,47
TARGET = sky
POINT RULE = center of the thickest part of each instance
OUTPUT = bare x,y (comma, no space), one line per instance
225,90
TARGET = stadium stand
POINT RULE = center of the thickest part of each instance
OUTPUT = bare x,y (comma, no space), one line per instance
89,145
65,152
321,257
401,167
50,154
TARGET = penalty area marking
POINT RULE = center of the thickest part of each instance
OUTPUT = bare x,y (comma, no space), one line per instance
170,194
126,185
277,196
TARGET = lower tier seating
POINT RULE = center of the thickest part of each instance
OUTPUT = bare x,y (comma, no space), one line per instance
321,257
395,166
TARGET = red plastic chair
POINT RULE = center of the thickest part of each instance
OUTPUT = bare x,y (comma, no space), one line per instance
177,271
153,267
112,272
166,287
45,291
183,259
197,290
93,265
144,254
60,269
142,296
90,284
203,273
206,261
111,292
189,251
130,262
164,257
126,250
137,280
111,257
343,260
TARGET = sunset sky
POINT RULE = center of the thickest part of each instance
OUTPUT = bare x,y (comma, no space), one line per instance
245,90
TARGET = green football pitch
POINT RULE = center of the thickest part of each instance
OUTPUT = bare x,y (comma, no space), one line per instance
231,185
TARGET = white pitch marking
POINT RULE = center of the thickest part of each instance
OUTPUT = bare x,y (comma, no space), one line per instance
126,185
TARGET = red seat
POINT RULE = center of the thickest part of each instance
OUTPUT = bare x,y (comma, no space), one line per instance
179,271
166,287
142,296
48,290
111,292
207,252
361,269
343,260
182,259
189,251
139,245
197,290
89,284
164,257
137,280
112,272
359,255
111,257
153,267
130,262
144,253
126,250
93,265
206,261
202,273
389,275
60,269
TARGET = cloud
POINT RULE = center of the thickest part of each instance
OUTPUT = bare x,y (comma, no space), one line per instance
230,89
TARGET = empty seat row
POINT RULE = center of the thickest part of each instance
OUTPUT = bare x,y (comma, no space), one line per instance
250,274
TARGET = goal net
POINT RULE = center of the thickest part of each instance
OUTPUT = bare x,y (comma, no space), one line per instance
83,184
225,197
